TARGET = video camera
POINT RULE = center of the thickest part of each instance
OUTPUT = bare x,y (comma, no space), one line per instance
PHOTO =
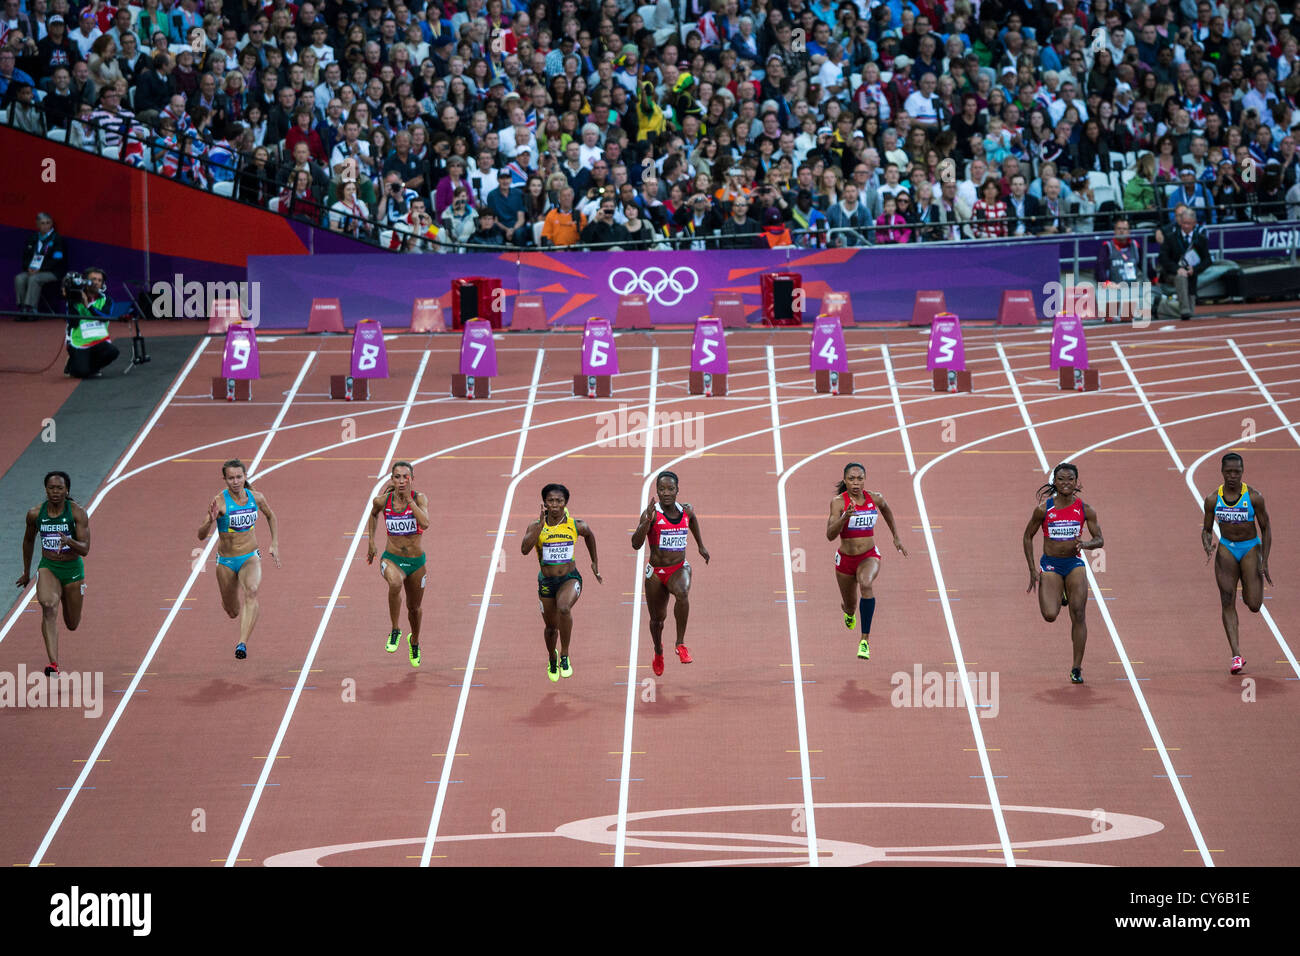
74,282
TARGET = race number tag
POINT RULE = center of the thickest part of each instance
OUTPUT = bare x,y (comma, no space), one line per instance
1064,530
401,524
94,329
557,552
241,520
863,519
51,542
673,540
36,262
1230,515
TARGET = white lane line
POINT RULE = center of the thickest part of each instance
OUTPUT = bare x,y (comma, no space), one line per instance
1100,602
650,418
776,416
122,462
305,671
1020,404
157,641
1263,390
528,412
1151,412
898,409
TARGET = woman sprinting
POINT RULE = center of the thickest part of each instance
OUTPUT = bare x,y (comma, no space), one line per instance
854,512
64,531
239,561
406,516
1060,575
1242,554
555,535
666,524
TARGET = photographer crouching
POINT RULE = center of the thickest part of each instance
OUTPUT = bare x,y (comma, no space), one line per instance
89,310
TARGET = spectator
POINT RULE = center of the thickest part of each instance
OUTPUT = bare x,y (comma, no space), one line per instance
155,89
349,215
489,232
458,222
56,48
44,261
302,132
850,221
990,212
1119,259
1140,191
1184,255
23,111
1054,208
1193,194
255,184
563,224
891,225
602,230
1023,210
299,200
739,231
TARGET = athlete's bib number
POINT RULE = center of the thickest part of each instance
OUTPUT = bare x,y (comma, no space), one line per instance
863,519
52,542
1064,530
241,520
94,329
401,525
1231,515
557,552
672,540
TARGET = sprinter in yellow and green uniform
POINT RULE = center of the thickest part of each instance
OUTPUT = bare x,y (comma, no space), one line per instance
64,531
406,516
555,535
239,561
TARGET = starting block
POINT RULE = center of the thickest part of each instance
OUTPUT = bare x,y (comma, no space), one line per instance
599,361
239,365
946,357
709,363
369,360
828,358
478,361
1070,355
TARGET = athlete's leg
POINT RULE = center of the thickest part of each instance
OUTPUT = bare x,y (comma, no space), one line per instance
1050,588
679,585
551,629
848,586
250,582
73,595
49,590
1076,586
866,579
1227,572
564,601
394,578
656,602
228,585
414,584
1252,581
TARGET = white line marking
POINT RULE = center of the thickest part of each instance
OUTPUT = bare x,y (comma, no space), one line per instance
1263,390
528,412
898,409
1020,404
650,418
776,415
157,641
1151,412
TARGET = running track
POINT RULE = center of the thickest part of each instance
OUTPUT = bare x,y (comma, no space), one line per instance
777,746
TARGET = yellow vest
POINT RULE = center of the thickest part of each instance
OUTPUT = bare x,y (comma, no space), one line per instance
557,545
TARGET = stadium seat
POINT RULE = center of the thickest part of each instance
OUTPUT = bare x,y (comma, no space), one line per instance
224,189
273,204
537,233
112,152
58,135
1098,180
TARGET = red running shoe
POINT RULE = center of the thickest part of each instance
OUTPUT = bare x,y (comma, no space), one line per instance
658,665
683,654
1238,663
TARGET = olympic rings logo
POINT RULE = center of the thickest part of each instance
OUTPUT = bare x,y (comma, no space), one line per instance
667,281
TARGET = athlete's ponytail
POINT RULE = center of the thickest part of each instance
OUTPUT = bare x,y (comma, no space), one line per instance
1050,487
67,481
236,463
842,487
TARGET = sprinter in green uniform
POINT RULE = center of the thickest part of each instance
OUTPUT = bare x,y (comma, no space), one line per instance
64,530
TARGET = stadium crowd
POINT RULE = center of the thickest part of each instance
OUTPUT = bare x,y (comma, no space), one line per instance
460,124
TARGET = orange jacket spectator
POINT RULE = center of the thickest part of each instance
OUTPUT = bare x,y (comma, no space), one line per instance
563,228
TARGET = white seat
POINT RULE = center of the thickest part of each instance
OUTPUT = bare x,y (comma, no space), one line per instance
226,189
1126,177
4,117
385,238
58,135
537,233
112,152
273,204
1097,180
39,94
1103,194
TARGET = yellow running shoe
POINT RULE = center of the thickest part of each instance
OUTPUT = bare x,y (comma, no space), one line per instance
394,638
566,666
553,670
415,651
851,621
864,650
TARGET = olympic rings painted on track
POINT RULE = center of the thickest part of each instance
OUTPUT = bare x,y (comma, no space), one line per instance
666,281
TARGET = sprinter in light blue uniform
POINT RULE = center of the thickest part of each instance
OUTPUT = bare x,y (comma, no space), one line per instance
239,562
1242,554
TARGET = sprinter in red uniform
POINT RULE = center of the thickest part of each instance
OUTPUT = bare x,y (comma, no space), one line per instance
666,524
1060,575
854,511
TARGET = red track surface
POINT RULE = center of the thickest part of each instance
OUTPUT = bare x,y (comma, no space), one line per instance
716,768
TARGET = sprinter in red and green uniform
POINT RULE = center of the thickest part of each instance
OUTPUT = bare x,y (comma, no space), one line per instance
406,516
64,531
555,535
239,562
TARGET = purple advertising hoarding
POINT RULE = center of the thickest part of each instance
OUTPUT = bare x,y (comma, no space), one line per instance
881,282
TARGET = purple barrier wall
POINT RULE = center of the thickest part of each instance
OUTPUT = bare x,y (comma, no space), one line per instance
881,282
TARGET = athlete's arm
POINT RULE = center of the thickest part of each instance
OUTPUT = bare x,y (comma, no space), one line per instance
421,509
214,512
642,529
838,520
694,524
1095,527
1265,533
270,523
376,506
585,532
889,520
1031,529
81,528
1207,529
29,542
533,533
